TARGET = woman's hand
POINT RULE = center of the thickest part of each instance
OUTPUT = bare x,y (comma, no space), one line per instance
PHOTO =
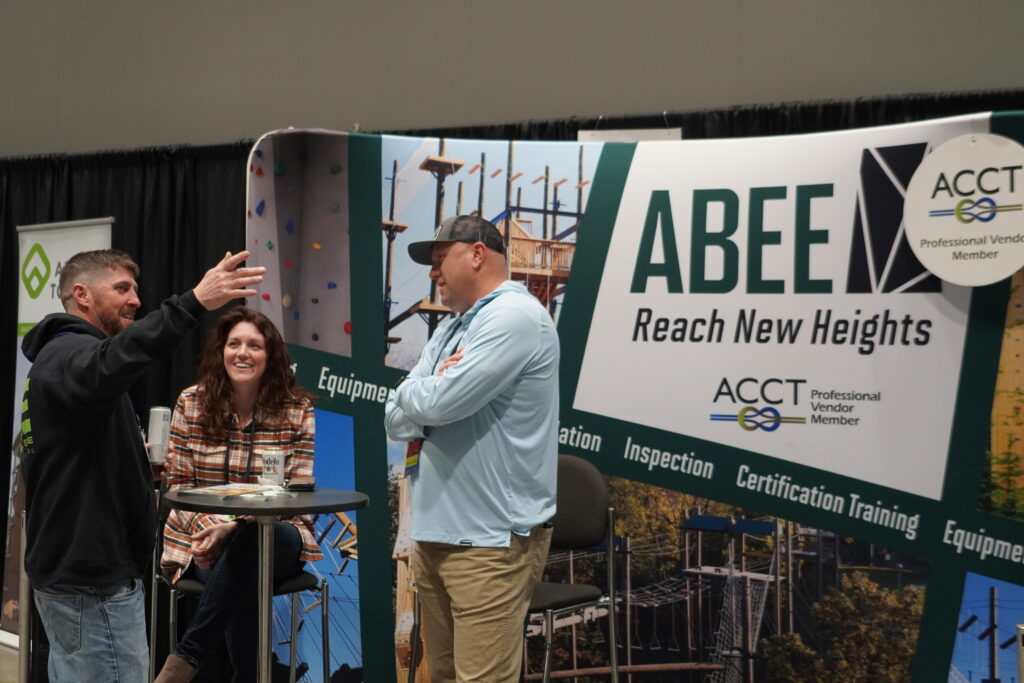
208,543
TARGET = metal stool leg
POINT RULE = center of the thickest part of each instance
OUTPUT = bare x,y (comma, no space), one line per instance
172,636
154,588
294,637
549,635
325,594
24,611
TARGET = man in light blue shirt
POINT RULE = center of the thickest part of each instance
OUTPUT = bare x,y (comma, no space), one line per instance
480,410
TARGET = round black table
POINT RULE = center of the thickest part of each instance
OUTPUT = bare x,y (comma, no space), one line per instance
266,510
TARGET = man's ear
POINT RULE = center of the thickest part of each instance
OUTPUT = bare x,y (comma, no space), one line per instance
479,255
81,295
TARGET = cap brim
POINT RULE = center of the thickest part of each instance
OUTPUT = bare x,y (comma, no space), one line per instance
420,252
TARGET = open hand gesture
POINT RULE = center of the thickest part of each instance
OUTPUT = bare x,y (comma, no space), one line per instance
226,281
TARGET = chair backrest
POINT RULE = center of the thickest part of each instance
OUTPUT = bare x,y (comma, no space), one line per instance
581,520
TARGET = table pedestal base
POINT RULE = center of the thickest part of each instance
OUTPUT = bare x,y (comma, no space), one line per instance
264,577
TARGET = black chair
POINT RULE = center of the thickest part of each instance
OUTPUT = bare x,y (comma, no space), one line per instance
583,520
303,581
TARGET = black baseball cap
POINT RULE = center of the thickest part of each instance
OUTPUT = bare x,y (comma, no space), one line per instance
458,229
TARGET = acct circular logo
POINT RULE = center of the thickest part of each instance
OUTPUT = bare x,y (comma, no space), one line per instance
964,209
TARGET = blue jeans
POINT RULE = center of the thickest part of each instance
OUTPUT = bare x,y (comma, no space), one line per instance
229,605
96,633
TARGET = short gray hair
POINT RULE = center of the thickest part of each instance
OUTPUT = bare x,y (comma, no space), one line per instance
87,264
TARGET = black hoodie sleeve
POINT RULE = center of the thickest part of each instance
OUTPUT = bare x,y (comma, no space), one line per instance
96,370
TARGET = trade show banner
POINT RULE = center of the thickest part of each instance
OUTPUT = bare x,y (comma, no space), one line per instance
42,251
796,357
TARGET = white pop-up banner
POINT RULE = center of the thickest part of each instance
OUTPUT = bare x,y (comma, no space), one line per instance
765,274
42,251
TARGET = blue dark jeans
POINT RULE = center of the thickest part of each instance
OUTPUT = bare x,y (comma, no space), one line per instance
96,633
229,605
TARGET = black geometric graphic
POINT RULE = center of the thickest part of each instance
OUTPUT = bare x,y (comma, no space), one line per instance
880,256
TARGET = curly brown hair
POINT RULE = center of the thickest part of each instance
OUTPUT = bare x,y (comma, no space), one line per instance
277,386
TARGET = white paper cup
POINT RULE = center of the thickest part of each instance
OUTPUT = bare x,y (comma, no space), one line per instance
158,433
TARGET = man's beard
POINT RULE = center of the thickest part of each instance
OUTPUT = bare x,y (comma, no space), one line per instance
112,324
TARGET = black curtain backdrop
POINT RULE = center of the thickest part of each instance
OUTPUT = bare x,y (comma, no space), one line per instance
754,120
178,209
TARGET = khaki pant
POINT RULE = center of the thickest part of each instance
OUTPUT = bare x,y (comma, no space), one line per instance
473,604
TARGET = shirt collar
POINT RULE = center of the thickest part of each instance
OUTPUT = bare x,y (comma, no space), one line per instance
503,288
256,418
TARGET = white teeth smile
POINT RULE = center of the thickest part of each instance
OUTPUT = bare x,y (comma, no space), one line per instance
243,365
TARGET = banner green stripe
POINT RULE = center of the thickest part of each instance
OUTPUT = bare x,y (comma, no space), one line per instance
595,235
375,565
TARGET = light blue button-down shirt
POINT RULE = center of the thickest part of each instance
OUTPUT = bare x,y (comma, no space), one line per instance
489,462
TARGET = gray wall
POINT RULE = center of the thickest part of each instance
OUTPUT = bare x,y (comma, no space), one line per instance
113,74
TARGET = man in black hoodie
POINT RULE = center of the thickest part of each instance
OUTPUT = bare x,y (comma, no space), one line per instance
89,486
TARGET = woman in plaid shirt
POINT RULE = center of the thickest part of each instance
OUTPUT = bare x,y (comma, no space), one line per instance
246,400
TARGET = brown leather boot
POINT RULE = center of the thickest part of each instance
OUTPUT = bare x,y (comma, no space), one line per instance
176,670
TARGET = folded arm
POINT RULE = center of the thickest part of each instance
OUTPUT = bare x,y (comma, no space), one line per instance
492,359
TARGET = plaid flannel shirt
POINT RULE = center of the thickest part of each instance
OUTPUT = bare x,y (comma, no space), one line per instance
194,461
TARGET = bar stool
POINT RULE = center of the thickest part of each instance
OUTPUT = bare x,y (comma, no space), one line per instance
303,581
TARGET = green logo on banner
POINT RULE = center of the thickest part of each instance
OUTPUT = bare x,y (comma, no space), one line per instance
35,271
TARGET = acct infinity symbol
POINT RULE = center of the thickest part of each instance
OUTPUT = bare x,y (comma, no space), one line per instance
750,418
967,211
